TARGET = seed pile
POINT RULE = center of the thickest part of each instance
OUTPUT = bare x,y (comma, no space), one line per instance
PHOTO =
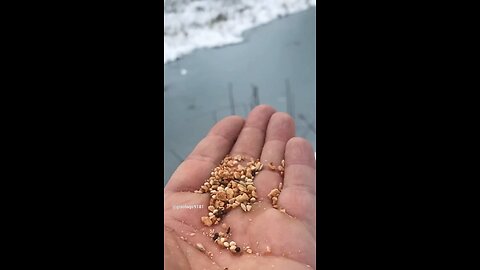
230,185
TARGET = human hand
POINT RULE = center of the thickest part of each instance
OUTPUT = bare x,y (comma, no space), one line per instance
290,238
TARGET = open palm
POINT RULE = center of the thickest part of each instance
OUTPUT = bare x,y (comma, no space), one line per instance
278,240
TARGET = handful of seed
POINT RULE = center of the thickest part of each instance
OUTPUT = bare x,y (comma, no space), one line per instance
230,185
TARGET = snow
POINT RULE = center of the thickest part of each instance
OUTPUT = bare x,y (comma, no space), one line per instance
195,24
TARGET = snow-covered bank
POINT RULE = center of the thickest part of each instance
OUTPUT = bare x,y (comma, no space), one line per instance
193,24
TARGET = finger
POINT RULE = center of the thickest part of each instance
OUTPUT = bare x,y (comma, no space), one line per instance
299,185
280,129
251,138
208,153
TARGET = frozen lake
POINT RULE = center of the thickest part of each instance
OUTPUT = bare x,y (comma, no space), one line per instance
273,58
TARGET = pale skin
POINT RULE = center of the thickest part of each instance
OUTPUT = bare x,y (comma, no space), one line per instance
290,238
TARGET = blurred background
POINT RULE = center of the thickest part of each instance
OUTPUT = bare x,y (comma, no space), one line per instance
223,57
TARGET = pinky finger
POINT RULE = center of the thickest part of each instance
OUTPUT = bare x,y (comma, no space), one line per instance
299,193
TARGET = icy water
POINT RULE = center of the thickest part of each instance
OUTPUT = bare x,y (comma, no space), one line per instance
275,57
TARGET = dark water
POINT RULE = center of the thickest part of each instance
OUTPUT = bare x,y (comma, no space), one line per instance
273,55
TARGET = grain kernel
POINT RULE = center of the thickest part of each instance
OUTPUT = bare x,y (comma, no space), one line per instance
211,208
200,247
271,166
221,195
275,192
226,244
242,187
251,187
243,207
249,173
249,207
241,198
206,221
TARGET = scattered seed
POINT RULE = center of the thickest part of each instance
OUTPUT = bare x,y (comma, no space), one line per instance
273,193
228,230
237,249
271,166
244,207
249,251
226,244
200,247
215,236
249,207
